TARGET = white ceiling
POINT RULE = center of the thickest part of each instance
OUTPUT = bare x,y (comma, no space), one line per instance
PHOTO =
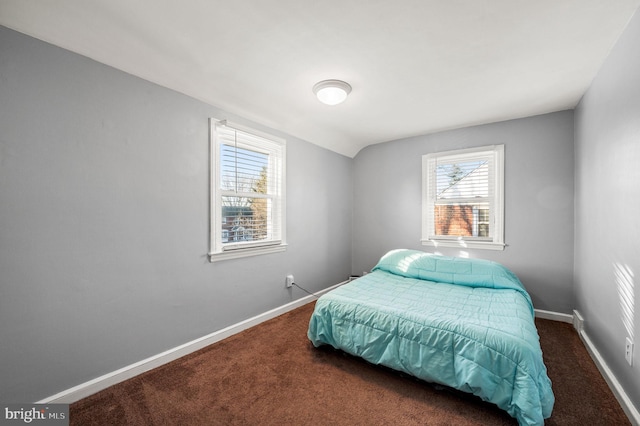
416,66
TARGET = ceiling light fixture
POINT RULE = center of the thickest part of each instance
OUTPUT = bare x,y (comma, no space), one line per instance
332,92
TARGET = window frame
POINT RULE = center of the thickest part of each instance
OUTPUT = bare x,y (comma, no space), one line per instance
495,241
276,148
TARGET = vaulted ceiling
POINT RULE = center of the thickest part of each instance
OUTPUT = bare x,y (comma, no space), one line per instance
416,66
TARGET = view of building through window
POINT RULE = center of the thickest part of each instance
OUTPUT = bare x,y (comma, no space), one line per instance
245,217
462,193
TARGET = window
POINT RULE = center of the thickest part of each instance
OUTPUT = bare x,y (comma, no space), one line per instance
247,192
462,198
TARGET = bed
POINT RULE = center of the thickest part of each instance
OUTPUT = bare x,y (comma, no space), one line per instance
464,323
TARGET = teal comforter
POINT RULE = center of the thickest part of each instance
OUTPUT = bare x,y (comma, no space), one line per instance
464,323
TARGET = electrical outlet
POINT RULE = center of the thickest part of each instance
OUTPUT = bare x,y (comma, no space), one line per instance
628,351
289,281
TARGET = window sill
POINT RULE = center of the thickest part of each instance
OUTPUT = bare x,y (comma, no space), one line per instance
465,244
246,252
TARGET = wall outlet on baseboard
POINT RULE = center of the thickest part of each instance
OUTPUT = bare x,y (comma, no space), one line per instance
628,351
289,281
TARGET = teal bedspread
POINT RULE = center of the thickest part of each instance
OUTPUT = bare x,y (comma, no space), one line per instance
464,323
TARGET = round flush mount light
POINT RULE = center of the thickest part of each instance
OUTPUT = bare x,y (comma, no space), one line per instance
332,92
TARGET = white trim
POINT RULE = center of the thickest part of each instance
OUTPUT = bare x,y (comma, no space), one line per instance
462,243
268,144
245,252
249,130
618,391
100,383
578,323
555,316
494,153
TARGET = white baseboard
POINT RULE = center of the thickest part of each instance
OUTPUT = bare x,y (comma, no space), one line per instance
555,316
627,405
89,388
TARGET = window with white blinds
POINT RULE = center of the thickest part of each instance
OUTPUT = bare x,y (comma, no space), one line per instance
463,193
247,191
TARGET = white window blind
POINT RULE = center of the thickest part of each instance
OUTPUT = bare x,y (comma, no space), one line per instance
462,198
247,191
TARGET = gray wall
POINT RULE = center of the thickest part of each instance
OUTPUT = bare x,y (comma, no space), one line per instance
103,216
607,261
104,222
538,200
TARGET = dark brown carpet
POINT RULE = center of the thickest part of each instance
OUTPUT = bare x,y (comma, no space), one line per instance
272,375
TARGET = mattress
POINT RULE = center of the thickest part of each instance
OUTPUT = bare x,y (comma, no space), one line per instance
463,323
